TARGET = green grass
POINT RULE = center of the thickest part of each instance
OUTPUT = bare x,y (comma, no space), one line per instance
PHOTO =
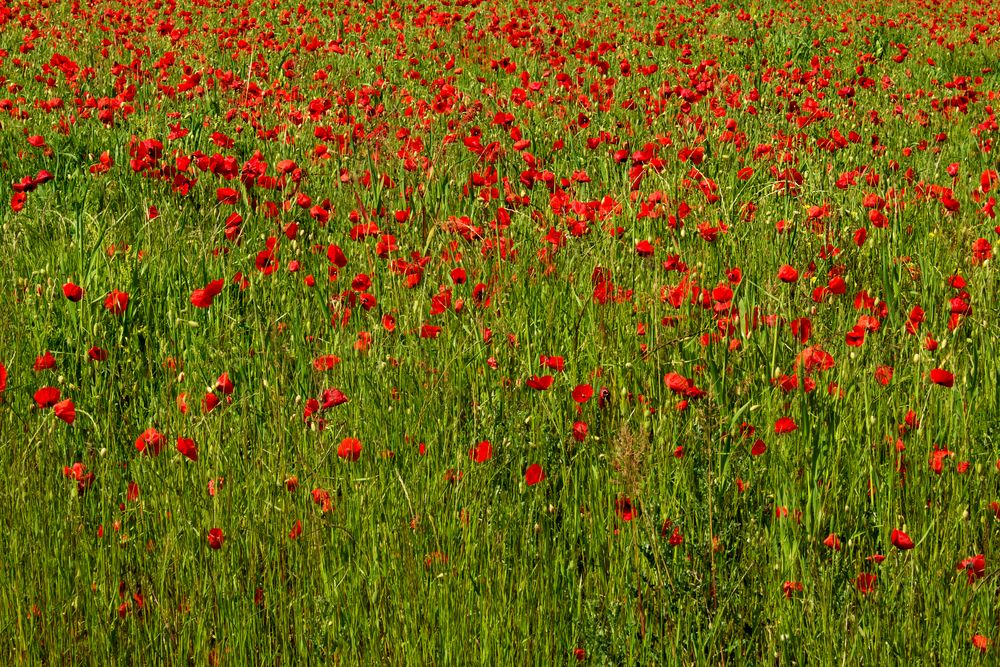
425,556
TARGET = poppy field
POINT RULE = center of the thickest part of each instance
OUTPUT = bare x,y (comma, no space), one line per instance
475,332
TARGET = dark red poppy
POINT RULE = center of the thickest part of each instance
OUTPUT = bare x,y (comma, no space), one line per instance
72,292
44,362
941,377
865,582
215,538
150,441
187,448
540,383
974,567
65,410
901,540
46,397
534,474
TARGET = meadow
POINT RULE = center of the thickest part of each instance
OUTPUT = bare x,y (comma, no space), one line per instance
656,332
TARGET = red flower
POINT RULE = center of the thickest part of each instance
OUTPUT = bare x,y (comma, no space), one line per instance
580,431
65,410
758,448
227,196
202,298
325,362
883,374
974,566
429,331
785,425
150,441
582,393
901,540
787,274
350,449
534,474
832,541
540,383
790,587
187,447
224,384
980,642
215,538
625,509
942,377
46,397
44,362
296,530
3,378
72,292
116,302
482,452
865,582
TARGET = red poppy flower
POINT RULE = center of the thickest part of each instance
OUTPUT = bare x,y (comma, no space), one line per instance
187,448
65,410
3,378
116,302
336,256
215,538
44,362
582,393
832,541
580,431
534,474
296,530
540,383
150,441
325,362
72,292
790,587
942,377
333,397
981,642
224,384
46,397
350,449
624,508
785,425
482,452
974,566
787,274
758,448
865,582
227,196
210,402
901,540
202,298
